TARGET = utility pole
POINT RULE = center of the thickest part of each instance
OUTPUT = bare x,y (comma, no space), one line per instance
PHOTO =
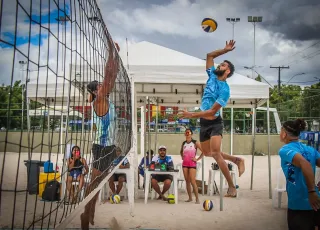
279,71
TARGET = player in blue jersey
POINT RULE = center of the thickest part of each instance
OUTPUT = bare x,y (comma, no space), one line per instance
103,147
298,162
215,96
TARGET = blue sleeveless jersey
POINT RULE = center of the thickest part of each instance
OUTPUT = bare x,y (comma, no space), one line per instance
106,125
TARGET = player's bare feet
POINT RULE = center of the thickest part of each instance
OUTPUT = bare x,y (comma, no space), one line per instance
197,201
189,200
241,165
232,192
164,198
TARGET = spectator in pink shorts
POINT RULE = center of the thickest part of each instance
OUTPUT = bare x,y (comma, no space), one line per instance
189,163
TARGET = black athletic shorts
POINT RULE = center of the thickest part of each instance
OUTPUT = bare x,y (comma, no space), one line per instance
162,177
303,219
116,177
209,128
189,167
103,156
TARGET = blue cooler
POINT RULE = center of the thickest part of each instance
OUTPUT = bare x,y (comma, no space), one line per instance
48,167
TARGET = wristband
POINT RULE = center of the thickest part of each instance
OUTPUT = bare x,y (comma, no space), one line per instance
312,191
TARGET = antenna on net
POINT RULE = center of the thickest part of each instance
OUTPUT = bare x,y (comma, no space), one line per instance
127,54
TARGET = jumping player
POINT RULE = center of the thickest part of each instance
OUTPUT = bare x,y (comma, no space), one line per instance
215,96
103,148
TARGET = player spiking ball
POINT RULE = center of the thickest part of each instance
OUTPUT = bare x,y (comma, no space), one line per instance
215,96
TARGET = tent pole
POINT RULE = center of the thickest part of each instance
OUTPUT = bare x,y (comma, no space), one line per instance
142,134
91,126
269,157
149,127
48,123
28,122
64,177
145,134
156,127
82,124
221,174
231,134
133,140
253,143
61,130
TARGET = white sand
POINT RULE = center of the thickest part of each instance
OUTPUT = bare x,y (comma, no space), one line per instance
252,210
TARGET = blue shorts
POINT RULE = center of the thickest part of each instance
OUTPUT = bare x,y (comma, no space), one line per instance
141,172
75,172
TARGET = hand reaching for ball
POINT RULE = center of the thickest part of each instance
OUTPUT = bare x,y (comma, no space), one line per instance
230,46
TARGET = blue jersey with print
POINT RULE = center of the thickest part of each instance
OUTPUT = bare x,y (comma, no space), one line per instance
297,189
215,91
167,160
117,161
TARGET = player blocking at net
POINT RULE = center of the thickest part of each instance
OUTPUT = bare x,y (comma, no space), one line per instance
104,114
215,96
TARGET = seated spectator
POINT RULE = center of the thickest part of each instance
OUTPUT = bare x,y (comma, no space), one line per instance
78,168
119,177
141,167
162,158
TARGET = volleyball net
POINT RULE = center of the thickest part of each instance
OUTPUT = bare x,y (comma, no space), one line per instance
65,109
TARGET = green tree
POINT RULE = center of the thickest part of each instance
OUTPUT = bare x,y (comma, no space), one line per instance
310,102
258,78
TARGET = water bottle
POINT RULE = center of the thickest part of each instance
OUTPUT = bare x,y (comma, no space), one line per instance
75,177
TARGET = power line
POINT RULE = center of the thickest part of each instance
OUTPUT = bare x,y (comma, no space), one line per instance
308,56
314,44
279,71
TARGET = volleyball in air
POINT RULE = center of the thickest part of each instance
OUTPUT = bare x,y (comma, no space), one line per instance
208,205
115,199
209,25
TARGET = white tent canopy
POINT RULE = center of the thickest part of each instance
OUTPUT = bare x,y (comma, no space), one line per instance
175,78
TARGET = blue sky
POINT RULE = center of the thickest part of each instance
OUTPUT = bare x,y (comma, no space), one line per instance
36,19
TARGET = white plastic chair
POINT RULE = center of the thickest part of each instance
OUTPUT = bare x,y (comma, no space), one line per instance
212,177
64,172
181,176
279,189
106,189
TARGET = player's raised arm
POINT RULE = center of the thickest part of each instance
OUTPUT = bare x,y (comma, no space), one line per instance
110,70
211,56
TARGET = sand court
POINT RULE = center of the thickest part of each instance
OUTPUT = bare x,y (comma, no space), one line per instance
251,210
